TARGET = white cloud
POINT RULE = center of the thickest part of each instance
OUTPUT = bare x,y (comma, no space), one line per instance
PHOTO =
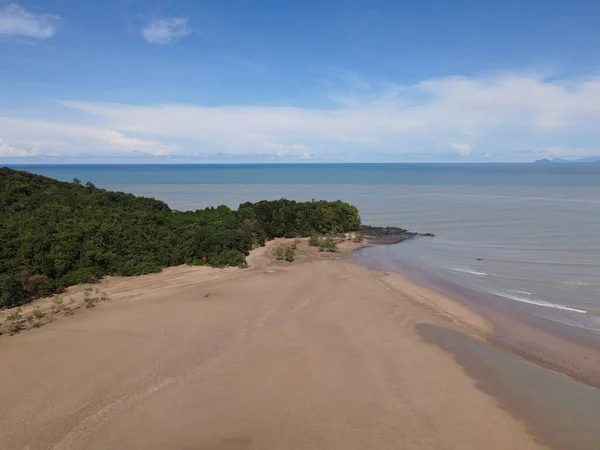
17,21
165,31
462,149
11,151
505,116
75,139
462,106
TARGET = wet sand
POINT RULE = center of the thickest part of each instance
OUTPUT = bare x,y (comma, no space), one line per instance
562,412
570,350
321,353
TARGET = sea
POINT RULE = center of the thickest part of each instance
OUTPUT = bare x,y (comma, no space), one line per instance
527,233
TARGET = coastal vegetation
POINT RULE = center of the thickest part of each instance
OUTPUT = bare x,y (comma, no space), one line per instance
325,244
56,234
328,245
286,253
314,239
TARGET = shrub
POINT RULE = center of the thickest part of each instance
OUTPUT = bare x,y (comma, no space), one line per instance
34,320
314,240
290,254
37,313
89,301
15,322
15,316
358,238
285,253
328,245
58,305
280,253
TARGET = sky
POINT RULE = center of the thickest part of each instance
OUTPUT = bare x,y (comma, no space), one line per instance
178,81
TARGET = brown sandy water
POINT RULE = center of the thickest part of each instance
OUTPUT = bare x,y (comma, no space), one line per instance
562,412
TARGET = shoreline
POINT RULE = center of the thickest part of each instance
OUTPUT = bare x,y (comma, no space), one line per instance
566,349
563,348
556,346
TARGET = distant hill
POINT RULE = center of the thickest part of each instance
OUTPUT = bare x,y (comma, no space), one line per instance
55,234
589,159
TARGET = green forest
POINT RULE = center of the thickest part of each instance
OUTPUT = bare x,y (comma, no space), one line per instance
56,234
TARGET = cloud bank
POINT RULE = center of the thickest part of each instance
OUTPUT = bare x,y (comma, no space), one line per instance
520,116
17,21
11,151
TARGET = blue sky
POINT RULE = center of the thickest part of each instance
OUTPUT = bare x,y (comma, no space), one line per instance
265,80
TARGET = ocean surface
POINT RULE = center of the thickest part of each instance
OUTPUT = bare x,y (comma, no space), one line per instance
528,233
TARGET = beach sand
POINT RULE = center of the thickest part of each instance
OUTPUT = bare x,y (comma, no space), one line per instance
317,354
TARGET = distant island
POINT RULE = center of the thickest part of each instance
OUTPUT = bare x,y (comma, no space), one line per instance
589,159
56,234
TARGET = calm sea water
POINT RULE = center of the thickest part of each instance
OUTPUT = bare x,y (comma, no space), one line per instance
527,232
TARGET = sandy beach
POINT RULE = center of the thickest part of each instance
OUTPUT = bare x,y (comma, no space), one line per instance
320,353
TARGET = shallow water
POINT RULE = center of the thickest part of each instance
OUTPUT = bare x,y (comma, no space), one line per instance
526,232
560,412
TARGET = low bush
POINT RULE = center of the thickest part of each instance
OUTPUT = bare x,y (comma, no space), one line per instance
58,305
285,253
290,254
37,313
314,240
328,245
90,301
16,322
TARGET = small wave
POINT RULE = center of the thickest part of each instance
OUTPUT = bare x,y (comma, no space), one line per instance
546,281
545,263
471,271
536,302
518,292
578,283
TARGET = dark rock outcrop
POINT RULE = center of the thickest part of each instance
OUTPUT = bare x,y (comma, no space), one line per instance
389,235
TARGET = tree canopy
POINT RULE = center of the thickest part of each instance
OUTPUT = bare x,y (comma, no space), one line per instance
55,234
